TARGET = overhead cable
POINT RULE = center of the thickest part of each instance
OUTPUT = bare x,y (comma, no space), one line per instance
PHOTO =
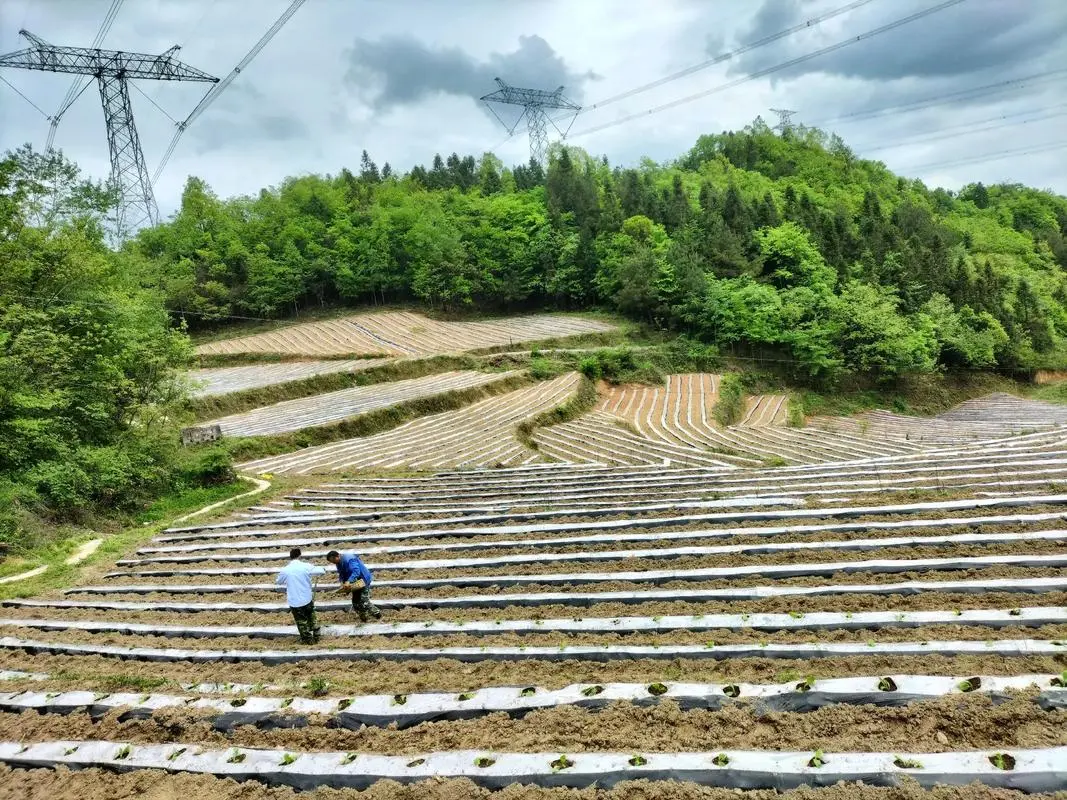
216,90
777,67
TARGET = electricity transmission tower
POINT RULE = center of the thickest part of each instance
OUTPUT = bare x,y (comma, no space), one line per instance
533,102
785,120
113,69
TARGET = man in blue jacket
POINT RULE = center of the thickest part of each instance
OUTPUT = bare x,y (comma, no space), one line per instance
355,578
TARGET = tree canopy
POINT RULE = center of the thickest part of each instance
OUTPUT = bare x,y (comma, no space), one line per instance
783,246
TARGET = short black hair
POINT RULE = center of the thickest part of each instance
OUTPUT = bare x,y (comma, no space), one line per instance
330,556
296,552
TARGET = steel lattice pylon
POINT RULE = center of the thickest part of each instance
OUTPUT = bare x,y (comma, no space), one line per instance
112,70
533,102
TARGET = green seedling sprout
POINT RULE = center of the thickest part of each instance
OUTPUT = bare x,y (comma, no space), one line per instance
343,704
638,761
176,753
236,757
1003,761
399,699
561,763
887,685
123,752
969,684
348,758
721,760
907,763
817,760
529,691
484,762
731,690
592,691
418,762
465,696
237,702
657,689
287,759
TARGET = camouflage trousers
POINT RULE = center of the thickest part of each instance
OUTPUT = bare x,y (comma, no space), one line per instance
362,605
306,623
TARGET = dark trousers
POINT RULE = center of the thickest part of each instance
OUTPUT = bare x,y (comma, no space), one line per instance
362,605
306,622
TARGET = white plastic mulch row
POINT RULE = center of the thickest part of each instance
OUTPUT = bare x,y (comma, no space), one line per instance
658,576
201,554
602,653
300,522
226,380
404,711
481,434
1027,770
497,600
323,409
813,621
404,333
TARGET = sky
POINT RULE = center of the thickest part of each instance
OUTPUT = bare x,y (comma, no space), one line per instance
935,98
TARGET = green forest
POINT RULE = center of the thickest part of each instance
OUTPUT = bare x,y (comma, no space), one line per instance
786,247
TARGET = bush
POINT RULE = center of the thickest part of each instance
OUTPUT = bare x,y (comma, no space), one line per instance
209,467
731,403
795,414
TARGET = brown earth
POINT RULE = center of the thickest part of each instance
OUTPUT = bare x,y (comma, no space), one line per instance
63,784
375,677
854,603
964,723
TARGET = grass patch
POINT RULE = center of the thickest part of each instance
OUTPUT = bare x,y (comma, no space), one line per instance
252,447
731,403
920,395
583,400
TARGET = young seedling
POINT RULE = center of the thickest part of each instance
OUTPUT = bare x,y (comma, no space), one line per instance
1003,761
343,704
236,757
721,760
887,685
907,763
287,702
529,691
465,696
592,691
817,760
561,763
287,759
1016,612
317,686
657,689
969,684
732,690
1060,680
418,762
176,753
806,684
399,699
796,615
348,758
123,752
484,761
638,761
70,751
237,702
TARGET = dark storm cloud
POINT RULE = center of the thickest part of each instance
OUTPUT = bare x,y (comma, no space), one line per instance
400,70
981,36
245,114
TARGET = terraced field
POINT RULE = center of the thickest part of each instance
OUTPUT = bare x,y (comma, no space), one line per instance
896,617
481,434
216,381
324,409
402,333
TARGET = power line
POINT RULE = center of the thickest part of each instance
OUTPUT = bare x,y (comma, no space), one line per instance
777,67
994,156
719,59
76,87
214,92
153,102
24,97
969,130
961,95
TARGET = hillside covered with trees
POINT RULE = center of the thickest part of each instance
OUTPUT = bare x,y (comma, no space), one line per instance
786,247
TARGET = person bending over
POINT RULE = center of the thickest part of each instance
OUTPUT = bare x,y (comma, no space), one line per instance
296,578
355,578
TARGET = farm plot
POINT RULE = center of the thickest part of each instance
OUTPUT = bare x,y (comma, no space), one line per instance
324,409
565,625
401,333
680,414
226,380
482,434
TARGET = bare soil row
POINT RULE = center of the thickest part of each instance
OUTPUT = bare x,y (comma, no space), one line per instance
944,725
446,675
782,605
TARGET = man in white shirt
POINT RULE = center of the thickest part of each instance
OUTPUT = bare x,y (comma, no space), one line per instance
296,578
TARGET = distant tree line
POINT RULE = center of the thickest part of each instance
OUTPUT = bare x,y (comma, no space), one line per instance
786,246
